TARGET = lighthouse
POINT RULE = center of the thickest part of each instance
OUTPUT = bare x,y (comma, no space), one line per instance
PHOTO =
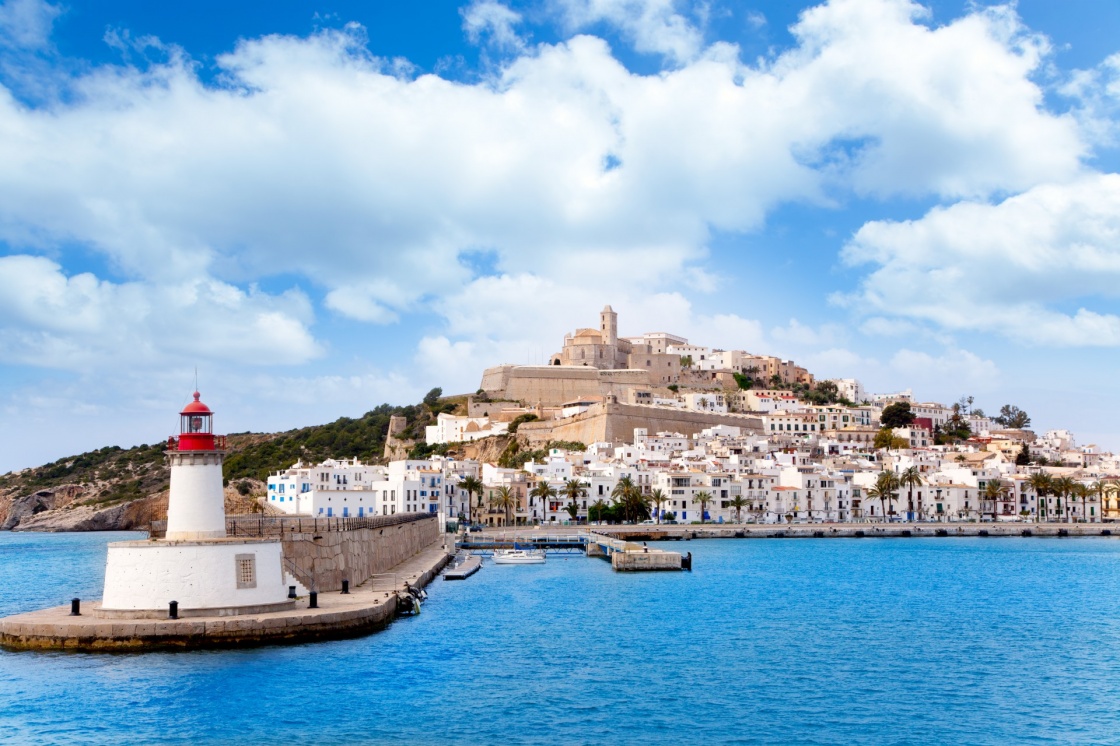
195,565
196,505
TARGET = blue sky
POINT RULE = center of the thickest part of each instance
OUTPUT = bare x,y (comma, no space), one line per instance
326,206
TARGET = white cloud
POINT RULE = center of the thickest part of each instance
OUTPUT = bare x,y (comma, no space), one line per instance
319,160
1011,268
74,322
493,20
26,24
653,26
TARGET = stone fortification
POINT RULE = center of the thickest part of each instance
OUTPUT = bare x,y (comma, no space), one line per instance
614,422
328,557
552,385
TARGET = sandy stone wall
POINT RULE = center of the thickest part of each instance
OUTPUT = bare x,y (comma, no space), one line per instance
557,384
330,556
615,423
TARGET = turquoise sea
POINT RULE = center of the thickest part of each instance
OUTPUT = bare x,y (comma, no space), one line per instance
872,641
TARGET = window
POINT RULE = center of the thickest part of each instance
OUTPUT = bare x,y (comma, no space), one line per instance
246,565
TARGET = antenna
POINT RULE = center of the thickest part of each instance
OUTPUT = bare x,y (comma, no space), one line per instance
196,378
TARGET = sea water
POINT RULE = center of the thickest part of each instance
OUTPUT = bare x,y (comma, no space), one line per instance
876,641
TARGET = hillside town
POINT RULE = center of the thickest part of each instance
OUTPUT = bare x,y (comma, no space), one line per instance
698,434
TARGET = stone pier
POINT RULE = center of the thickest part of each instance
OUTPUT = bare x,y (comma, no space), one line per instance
364,610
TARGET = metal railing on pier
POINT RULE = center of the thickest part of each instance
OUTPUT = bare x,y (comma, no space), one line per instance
268,525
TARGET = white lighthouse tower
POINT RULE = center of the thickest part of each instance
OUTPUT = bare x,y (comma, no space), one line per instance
196,506
195,565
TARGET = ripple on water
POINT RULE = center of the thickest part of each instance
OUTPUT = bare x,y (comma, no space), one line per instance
872,642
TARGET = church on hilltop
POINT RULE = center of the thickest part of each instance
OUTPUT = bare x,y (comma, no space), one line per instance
603,349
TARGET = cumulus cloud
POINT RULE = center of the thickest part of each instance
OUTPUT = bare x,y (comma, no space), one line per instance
937,374
315,158
493,21
1013,268
73,322
652,26
586,182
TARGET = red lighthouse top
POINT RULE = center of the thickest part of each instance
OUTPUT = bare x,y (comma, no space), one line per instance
196,428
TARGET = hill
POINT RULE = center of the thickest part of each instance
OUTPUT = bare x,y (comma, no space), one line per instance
92,487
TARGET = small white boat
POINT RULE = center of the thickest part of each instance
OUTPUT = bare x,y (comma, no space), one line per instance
519,557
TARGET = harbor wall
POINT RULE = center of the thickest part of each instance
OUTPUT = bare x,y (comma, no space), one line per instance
614,422
327,558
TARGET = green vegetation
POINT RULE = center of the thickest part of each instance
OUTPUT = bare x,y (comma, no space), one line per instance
886,438
519,419
141,468
956,428
422,451
514,458
1012,417
363,438
897,415
745,382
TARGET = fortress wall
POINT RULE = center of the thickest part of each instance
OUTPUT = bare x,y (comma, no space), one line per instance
552,385
615,423
495,380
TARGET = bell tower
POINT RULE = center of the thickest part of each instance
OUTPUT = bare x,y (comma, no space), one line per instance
608,325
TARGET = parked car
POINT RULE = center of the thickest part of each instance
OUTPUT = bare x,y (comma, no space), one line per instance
477,527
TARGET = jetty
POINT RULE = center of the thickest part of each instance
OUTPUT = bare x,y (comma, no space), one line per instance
322,616
624,556
463,566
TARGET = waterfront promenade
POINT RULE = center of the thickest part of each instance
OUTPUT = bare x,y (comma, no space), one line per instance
668,532
366,608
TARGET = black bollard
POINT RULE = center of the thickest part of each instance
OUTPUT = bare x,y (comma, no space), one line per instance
173,610
291,591
313,600
346,587
75,607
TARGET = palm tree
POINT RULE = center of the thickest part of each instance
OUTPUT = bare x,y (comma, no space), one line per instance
623,494
472,485
876,493
1042,485
994,491
599,507
657,497
737,504
703,497
888,482
636,505
912,478
574,489
1063,487
505,500
545,492
1099,488
1082,491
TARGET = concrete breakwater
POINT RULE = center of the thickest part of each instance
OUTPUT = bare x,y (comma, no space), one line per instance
322,560
363,610
856,530
378,557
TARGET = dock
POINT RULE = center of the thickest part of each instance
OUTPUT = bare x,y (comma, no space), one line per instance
462,567
624,556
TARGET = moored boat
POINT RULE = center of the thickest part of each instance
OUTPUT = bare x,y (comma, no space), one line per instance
519,557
